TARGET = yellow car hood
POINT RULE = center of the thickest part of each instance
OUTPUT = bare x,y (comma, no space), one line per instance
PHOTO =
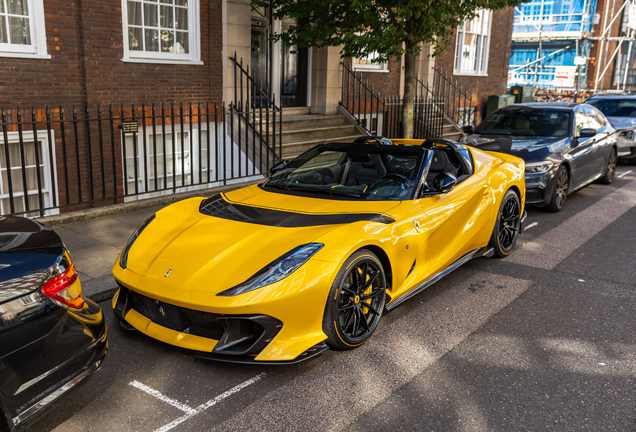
190,250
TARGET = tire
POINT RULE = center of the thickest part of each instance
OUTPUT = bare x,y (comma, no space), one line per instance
507,226
610,169
560,190
350,305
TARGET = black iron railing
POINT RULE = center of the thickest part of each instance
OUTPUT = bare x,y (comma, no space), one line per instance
56,159
455,102
361,101
383,115
256,98
249,92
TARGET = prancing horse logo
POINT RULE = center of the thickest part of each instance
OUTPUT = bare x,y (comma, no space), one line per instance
168,273
416,224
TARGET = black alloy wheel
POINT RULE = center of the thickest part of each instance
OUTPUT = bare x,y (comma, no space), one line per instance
560,191
507,226
356,301
610,171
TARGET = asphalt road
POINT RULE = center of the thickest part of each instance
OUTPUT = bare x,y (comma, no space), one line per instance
542,340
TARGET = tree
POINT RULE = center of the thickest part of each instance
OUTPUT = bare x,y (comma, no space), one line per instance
390,28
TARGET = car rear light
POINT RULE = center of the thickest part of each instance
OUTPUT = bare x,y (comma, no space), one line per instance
65,288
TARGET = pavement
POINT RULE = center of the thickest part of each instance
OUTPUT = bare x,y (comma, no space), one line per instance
542,340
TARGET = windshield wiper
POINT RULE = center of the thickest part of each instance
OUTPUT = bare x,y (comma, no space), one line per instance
335,191
277,186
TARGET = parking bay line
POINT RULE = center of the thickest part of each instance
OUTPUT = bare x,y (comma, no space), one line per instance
163,398
533,224
192,412
624,174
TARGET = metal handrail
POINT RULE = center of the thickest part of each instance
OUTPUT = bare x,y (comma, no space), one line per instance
250,96
372,112
456,100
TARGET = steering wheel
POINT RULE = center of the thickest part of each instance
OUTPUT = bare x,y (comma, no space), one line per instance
404,181
401,177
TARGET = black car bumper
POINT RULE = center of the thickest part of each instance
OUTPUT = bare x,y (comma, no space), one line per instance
539,188
239,338
71,372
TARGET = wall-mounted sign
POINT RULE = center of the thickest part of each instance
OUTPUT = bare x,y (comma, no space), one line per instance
129,126
631,16
564,76
596,19
580,60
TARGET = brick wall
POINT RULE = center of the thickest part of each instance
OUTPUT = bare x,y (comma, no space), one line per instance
85,42
608,48
479,88
383,83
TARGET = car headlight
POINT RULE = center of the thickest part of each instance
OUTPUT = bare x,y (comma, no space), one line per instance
627,134
123,257
538,167
277,270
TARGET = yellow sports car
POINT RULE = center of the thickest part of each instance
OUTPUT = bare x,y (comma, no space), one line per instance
311,258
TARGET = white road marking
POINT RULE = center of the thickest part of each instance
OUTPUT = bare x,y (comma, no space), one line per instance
210,403
624,174
163,398
533,224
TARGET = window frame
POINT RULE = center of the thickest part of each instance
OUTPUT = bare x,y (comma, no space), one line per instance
371,67
193,150
483,48
194,36
37,26
47,179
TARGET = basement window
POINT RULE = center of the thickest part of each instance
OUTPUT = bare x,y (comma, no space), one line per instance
161,31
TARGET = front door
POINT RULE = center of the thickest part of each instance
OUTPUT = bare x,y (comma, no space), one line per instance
261,64
293,72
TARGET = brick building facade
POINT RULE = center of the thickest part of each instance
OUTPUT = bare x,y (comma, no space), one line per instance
478,86
83,61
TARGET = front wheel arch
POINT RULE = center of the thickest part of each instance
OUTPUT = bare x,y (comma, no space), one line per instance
384,259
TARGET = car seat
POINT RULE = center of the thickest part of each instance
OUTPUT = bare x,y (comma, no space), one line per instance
365,171
441,164
522,127
563,128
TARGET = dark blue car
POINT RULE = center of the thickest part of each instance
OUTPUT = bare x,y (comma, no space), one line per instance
565,146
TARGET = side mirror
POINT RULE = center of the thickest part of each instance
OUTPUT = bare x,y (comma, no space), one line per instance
586,133
468,129
444,182
279,166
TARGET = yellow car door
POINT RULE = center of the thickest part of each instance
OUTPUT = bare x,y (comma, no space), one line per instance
457,222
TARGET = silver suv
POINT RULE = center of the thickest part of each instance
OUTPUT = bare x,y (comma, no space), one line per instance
620,110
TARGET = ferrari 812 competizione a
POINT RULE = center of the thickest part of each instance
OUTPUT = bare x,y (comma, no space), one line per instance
311,258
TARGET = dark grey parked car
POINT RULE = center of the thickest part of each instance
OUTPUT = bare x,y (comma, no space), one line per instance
565,146
620,110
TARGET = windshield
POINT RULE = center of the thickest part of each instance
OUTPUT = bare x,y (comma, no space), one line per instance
353,171
527,122
615,107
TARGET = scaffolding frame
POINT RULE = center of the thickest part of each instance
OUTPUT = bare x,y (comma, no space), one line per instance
579,39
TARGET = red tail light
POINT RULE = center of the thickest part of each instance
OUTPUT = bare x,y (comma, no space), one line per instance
65,288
